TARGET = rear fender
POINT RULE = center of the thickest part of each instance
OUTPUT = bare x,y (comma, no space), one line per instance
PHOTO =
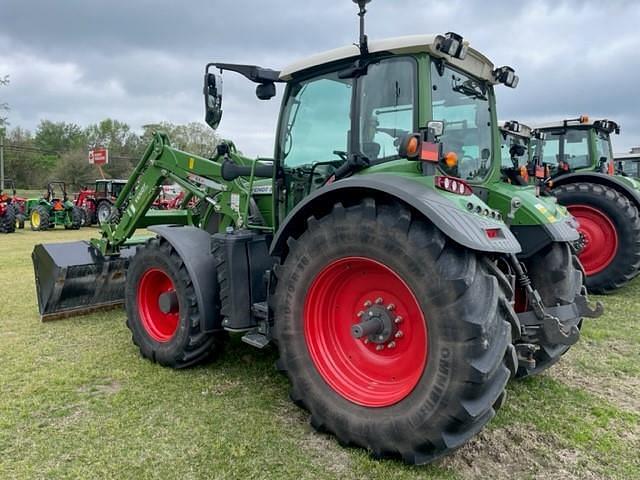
601,179
194,247
463,227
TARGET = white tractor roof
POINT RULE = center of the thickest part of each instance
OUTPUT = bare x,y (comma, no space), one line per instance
627,156
475,63
571,123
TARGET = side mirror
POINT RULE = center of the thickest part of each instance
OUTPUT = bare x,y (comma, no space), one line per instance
435,128
212,99
266,91
517,151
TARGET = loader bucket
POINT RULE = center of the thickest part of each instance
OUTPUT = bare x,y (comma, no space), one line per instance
74,278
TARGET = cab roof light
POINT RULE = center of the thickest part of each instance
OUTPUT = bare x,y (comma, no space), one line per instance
453,45
507,76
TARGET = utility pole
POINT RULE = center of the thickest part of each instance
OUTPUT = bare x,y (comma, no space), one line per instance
1,160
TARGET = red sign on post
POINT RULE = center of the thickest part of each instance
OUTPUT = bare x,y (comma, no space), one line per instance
99,156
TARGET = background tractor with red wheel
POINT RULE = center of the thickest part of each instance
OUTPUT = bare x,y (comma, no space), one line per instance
97,203
54,209
577,156
13,208
367,248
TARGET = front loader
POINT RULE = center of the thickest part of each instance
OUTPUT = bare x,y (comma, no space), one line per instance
577,156
365,248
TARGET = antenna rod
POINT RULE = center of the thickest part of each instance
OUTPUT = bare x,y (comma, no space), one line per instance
364,45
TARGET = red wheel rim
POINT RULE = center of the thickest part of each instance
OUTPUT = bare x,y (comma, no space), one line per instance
159,325
600,235
358,369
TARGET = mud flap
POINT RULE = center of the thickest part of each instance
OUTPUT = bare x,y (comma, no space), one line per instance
73,278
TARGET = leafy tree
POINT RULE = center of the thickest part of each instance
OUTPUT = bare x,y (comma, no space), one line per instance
193,137
59,136
74,169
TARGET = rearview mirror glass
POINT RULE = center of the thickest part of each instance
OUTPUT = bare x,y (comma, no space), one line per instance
213,99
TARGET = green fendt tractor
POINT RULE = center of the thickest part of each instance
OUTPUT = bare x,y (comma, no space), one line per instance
628,164
577,155
54,208
367,249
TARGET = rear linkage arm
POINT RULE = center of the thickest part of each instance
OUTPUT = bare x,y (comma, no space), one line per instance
559,324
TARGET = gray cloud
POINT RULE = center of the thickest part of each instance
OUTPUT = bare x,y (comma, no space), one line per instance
141,61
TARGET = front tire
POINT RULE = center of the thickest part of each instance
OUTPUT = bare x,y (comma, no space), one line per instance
40,219
170,333
610,224
444,377
555,273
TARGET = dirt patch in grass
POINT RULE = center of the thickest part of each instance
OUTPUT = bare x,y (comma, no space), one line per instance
323,450
617,388
519,451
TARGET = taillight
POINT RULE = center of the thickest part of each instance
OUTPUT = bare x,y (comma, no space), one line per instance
453,185
493,233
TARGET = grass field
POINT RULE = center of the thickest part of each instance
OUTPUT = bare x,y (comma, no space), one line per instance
77,401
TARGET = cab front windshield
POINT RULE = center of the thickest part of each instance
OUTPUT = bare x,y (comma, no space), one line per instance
462,103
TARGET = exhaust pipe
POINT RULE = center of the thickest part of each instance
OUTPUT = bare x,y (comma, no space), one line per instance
74,278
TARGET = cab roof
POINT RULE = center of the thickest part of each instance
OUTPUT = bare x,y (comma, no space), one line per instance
574,122
475,63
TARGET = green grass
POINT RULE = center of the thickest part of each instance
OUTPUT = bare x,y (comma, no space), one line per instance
77,401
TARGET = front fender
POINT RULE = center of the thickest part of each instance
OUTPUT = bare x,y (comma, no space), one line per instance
194,247
465,227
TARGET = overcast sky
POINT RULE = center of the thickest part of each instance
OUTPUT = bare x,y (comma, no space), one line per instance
141,61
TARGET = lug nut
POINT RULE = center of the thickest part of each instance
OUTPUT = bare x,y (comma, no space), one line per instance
380,347
391,344
379,300
360,313
366,341
399,334
380,338
398,320
368,303
391,307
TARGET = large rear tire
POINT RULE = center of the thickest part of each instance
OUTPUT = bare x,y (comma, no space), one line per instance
555,273
167,330
610,225
8,220
103,211
445,375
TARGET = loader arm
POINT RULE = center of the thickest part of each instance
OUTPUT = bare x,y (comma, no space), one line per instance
198,176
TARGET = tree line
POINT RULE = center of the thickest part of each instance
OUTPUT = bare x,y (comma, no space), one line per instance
59,150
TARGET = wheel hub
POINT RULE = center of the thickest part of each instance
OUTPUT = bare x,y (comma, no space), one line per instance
378,324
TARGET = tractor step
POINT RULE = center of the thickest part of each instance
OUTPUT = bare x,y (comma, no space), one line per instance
256,339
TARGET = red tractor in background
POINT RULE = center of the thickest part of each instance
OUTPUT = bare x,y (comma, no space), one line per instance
13,209
96,204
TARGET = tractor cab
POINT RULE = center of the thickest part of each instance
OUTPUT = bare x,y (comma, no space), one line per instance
110,188
579,145
628,164
517,148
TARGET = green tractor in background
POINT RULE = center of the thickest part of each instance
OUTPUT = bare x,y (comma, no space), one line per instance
580,172
54,208
628,164
378,249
